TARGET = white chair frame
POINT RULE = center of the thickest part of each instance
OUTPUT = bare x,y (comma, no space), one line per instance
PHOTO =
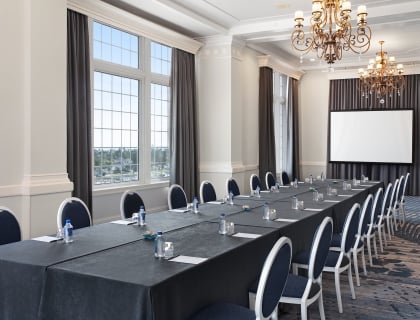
63,204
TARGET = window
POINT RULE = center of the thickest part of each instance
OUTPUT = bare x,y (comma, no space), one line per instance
130,126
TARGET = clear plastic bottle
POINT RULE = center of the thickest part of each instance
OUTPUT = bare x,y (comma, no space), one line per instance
142,216
230,197
222,224
159,243
266,212
195,205
68,232
257,192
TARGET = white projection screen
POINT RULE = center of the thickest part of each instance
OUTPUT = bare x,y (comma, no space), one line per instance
384,136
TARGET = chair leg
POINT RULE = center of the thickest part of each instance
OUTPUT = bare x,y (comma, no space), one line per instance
403,213
369,249
303,312
363,261
356,268
321,306
353,294
380,231
338,291
375,249
274,315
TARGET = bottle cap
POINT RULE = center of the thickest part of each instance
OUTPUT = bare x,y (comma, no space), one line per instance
222,215
67,220
159,233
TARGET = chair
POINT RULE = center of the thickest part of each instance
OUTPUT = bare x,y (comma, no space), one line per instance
9,226
389,209
397,201
130,202
338,261
402,201
270,180
207,192
380,222
232,186
359,242
285,180
372,226
306,290
76,210
176,197
254,182
270,287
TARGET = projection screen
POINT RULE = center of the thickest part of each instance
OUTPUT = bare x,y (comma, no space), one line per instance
384,136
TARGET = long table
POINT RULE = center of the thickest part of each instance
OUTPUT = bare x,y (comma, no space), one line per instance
109,271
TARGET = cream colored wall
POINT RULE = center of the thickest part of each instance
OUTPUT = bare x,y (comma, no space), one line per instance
313,122
227,84
33,178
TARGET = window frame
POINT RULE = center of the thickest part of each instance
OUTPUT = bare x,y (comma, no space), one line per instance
145,77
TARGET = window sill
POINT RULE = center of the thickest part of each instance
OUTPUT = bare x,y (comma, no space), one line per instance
100,191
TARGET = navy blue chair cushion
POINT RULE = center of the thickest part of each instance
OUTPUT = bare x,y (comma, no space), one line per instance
9,228
209,194
225,311
296,285
131,204
271,180
322,250
332,259
76,212
178,199
233,187
285,178
255,182
336,240
276,280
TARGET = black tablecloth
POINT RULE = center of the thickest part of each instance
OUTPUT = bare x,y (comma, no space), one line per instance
110,272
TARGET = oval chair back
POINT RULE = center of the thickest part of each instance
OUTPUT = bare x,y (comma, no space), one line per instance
254,182
270,180
350,228
176,197
207,192
76,210
285,180
130,203
320,248
232,186
9,227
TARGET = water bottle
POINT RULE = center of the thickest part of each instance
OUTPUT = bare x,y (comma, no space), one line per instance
311,179
159,242
68,232
257,192
142,216
222,224
195,205
230,197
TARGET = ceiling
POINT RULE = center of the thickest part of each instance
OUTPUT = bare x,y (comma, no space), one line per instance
266,25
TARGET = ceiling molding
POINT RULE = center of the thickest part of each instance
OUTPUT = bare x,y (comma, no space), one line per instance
279,66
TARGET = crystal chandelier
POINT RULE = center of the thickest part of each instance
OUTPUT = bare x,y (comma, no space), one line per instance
331,32
383,75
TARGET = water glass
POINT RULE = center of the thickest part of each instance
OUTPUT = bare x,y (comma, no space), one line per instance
300,205
315,195
266,213
168,249
230,228
59,234
320,197
272,214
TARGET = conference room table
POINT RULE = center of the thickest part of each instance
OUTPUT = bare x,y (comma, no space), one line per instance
110,271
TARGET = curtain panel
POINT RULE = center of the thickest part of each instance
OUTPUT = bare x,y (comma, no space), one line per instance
293,105
79,159
344,95
267,145
183,124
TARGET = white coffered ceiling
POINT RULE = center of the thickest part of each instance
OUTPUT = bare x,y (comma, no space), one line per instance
266,25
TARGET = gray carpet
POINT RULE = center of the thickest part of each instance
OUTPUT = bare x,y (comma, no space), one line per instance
391,289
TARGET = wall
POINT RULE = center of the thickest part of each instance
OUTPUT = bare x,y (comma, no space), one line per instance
33,178
313,122
227,85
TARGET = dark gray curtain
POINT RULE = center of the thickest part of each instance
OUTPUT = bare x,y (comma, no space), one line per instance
293,105
183,132
344,95
79,160
267,145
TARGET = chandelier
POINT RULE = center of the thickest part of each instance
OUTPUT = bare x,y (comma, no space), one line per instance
383,75
331,32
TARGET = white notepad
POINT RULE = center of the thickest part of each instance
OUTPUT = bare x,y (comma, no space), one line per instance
246,235
179,210
344,195
312,209
45,239
332,201
123,222
357,189
242,196
285,220
215,202
188,259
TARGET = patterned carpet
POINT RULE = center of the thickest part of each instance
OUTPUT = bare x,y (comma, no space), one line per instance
391,289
